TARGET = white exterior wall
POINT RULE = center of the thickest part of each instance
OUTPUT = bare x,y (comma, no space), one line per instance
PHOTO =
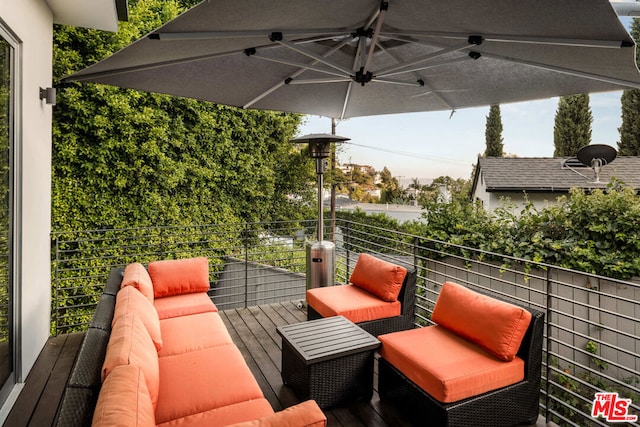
540,200
31,22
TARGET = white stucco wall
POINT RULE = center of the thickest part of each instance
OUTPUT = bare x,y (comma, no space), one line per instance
493,200
32,24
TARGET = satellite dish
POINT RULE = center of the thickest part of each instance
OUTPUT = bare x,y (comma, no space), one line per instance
596,156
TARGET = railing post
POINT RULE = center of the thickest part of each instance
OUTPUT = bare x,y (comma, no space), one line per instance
57,285
246,264
548,355
347,245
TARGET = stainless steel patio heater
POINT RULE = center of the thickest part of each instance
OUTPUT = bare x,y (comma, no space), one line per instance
320,254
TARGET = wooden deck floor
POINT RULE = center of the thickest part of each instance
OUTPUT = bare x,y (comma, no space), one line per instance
254,332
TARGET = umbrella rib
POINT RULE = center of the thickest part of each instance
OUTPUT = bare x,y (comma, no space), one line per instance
397,82
425,81
569,71
607,44
400,68
316,81
144,67
375,17
309,67
293,76
427,66
374,37
312,55
205,35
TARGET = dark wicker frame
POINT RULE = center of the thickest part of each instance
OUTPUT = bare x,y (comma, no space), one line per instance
507,406
340,380
81,393
405,320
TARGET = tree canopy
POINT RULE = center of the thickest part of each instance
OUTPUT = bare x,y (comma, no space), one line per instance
127,158
493,133
572,129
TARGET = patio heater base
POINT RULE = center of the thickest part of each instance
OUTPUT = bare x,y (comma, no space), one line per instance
321,264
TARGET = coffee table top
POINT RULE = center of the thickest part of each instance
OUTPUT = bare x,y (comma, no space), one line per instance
325,339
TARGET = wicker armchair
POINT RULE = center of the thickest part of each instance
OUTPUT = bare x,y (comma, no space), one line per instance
507,406
405,320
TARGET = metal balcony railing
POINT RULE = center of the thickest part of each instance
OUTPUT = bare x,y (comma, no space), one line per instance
592,338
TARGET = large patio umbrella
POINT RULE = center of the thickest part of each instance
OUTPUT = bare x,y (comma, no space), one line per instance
348,58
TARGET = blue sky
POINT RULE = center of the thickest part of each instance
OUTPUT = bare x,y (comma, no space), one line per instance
428,145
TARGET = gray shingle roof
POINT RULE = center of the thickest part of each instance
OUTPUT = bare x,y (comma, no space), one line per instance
545,174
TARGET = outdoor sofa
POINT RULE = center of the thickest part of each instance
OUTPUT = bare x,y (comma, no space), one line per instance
158,353
479,365
380,296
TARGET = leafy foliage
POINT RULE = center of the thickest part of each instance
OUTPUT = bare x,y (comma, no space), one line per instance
493,133
124,158
595,233
572,129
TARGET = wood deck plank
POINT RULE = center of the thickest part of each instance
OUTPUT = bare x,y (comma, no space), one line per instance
38,402
268,392
253,331
54,388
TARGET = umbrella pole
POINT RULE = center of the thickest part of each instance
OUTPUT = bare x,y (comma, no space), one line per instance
319,172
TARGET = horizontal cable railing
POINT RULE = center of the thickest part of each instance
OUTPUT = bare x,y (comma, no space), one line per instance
592,338
250,264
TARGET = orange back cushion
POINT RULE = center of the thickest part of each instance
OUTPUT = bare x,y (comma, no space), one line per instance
124,400
130,300
137,276
180,276
307,414
130,344
379,277
497,326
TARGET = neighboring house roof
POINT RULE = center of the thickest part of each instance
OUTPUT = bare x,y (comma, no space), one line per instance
549,174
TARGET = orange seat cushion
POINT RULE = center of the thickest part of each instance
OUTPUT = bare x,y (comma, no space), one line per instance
130,344
130,300
447,366
225,415
179,276
307,414
124,400
183,305
497,326
193,332
352,302
201,380
137,276
379,277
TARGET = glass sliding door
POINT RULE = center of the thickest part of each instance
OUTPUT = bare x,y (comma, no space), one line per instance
7,378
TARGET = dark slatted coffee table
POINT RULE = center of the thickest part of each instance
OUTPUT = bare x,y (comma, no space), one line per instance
329,360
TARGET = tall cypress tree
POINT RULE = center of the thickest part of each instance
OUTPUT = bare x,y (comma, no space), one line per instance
493,133
572,129
629,144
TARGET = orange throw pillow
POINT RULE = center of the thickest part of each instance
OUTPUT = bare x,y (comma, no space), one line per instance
179,276
124,400
497,326
378,277
137,276
129,300
307,414
130,344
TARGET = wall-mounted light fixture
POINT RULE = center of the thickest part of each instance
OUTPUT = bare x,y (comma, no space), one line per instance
49,95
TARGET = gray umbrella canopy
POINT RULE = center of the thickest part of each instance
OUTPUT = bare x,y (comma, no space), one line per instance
349,58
